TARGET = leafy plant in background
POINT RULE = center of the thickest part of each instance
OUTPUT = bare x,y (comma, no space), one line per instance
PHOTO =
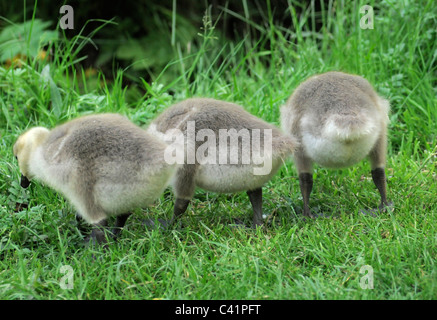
26,40
28,67
155,50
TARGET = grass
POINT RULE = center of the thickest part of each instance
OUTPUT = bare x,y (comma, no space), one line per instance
289,258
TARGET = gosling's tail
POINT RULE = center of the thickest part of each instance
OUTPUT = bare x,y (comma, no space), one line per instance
349,127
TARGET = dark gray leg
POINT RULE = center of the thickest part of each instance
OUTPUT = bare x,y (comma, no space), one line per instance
119,224
306,186
256,199
183,187
378,159
180,207
378,176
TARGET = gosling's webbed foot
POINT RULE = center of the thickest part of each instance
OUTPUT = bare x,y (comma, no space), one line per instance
369,212
389,206
97,237
382,208
308,213
257,225
100,234
321,215
238,223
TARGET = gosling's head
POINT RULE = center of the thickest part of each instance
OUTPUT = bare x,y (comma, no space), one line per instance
25,145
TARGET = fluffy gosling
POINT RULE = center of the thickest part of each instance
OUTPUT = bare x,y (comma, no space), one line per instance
103,164
338,119
230,150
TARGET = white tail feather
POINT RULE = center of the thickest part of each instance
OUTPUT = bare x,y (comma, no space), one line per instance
348,128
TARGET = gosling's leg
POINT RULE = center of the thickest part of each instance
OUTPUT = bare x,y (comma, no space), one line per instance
378,176
180,207
306,186
305,168
256,199
378,159
119,224
183,187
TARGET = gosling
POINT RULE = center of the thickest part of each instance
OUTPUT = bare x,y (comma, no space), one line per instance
103,164
222,150
338,119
